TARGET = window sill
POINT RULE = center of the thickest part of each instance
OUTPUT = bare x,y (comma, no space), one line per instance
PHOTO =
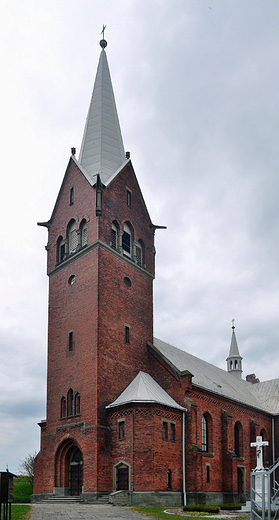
207,453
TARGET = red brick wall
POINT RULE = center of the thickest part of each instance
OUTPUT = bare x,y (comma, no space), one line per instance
96,308
224,414
143,447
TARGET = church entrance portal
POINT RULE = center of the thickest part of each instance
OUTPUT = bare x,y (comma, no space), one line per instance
68,469
76,473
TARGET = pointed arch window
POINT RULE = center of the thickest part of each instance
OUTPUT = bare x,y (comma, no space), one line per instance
60,250
238,439
73,237
114,236
77,404
83,230
127,240
63,411
139,253
204,433
70,402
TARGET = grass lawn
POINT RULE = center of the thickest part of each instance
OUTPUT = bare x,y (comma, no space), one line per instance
22,490
158,513
20,511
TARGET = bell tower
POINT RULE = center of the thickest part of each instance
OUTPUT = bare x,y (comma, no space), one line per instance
100,264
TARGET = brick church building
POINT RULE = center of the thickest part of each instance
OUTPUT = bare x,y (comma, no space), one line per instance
128,415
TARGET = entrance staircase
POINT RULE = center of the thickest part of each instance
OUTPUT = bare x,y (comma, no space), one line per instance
56,499
102,499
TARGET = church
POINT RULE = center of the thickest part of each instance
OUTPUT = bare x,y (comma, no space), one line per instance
131,419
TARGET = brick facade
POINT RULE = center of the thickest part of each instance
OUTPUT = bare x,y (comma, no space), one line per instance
99,337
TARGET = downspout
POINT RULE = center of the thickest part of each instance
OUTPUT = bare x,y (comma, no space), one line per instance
183,459
273,445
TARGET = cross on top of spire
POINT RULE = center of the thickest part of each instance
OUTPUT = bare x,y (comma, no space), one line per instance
103,42
102,151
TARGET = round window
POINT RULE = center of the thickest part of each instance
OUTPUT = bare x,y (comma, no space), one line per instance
127,281
72,279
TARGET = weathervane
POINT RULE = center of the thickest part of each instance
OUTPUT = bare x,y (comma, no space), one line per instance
103,42
233,320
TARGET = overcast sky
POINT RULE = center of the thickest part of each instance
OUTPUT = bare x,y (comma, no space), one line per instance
197,90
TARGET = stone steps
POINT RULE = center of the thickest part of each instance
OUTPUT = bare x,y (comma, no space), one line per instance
68,499
103,499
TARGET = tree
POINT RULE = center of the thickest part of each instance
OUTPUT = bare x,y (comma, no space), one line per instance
26,466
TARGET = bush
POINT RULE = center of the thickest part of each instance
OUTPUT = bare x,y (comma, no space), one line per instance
231,507
202,508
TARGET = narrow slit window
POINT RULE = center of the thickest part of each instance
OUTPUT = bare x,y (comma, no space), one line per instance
169,479
71,196
129,197
165,431
63,407
71,340
121,430
172,432
127,334
77,404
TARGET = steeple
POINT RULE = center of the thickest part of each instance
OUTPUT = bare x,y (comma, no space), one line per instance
234,365
102,149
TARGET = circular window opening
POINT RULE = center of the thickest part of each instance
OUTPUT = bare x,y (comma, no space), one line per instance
127,281
72,279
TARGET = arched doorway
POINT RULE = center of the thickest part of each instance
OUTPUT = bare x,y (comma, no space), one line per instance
68,469
75,470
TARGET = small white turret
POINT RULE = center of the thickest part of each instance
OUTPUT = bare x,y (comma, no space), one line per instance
234,360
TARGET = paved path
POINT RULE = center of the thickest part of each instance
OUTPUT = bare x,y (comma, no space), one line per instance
82,512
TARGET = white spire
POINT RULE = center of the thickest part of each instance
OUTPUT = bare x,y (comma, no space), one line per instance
102,149
234,365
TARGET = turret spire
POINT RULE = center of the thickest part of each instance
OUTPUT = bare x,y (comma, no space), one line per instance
102,151
234,365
